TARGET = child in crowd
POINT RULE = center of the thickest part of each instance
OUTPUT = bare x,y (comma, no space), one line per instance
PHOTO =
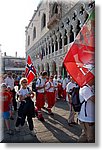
6,101
11,104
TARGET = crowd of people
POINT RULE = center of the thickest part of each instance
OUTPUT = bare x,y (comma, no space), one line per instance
46,90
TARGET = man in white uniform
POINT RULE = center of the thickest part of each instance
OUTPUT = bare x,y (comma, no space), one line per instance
87,114
40,96
55,82
69,89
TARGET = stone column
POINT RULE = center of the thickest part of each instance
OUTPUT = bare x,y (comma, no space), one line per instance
74,31
67,27
54,48
62,41
45,67
50,68
58,36
44,46
40,51
68,31
54,44
74,24
50,46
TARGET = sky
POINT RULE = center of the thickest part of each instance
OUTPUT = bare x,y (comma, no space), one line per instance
14,17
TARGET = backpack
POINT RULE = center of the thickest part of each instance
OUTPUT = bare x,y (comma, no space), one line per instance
34,85
76,101
50,85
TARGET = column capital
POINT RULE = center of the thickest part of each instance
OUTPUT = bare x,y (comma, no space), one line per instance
62,32
58,35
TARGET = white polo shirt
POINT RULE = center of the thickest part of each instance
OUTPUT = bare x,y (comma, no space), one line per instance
10,82
40,83
48,87
65,82
85,93
23,92
70,86
55,83
60,80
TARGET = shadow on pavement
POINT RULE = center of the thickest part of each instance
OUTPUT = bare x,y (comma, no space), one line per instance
59,134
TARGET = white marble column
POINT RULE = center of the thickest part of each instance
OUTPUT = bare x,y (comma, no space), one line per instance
62,42
58,36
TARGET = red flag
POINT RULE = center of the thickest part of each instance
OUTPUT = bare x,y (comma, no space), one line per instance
79,61
30,70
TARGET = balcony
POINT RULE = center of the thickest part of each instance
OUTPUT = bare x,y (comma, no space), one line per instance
53,20
58,53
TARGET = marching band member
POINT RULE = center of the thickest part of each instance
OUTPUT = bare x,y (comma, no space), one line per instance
40,96
55,82
66,80
60,89
50,94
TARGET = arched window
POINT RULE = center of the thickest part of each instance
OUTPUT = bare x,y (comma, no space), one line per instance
43,51
46,50
71,39
43,21
28,40
56,44
34,33
52,46
78,28
49,49
81,10
60,41
55,9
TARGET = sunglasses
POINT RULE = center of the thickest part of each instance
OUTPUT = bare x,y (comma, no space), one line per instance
24,82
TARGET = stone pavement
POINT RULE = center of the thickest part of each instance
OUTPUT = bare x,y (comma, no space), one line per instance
55,129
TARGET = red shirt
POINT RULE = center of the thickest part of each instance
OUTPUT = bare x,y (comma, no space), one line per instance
6,100
11,95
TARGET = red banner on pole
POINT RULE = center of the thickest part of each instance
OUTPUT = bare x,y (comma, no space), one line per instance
80,59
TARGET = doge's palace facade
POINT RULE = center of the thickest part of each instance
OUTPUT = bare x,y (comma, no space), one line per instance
51,31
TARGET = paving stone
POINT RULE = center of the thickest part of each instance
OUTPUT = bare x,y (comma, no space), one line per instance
55,129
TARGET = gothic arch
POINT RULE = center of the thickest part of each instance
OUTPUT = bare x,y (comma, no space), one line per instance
60,41
43,21
56,43
71,36
55,8
65,38
34,33
52,43
78,28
